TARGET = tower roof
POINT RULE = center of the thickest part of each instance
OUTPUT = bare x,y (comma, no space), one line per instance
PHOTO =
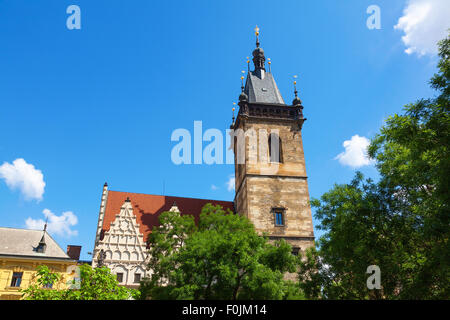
260,85
262,89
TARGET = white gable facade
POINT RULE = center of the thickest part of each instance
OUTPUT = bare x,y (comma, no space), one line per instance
124,248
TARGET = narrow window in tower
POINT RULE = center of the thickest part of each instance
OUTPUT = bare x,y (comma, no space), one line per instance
275,156
279,221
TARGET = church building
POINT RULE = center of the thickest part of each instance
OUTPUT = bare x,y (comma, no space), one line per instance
271,187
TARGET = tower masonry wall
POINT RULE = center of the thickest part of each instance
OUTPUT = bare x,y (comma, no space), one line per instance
267,194
264,187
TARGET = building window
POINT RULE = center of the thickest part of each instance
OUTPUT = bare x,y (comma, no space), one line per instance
295,251
137,277
274,156
279,219
120,277
16,279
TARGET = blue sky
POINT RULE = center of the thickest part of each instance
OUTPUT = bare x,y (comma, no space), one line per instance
100,103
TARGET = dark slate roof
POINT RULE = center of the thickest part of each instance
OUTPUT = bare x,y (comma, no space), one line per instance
23,242
262,90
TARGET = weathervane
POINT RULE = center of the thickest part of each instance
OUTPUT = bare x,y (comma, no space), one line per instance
269,62
242,80
248,64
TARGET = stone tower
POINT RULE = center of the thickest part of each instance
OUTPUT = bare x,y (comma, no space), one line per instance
271,182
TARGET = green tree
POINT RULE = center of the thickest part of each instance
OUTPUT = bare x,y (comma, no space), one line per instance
41,289
400,223
222,258
362,227
95,284
413,157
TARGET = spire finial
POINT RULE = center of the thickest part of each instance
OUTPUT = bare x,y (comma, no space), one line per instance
269,62
295,85
248,63
234,105
257,36
258,57
242,80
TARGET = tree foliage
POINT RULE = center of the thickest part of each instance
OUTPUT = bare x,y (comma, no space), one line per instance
400,223
221,258
95,284
41,288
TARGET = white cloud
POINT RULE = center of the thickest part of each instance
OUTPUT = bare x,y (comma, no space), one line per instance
60,225
230,183
424,23
214,187
23,176
355,154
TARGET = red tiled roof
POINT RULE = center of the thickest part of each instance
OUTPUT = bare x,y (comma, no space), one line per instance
148,207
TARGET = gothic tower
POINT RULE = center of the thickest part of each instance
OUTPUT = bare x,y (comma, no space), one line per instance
271,182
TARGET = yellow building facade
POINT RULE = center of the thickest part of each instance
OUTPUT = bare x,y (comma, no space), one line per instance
21,252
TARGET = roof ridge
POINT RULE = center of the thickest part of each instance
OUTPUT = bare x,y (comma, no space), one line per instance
160,195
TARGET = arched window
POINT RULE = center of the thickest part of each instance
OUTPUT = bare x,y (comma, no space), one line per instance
275,144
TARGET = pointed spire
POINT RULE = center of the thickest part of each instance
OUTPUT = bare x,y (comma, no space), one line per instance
242,96
296,101
260,86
